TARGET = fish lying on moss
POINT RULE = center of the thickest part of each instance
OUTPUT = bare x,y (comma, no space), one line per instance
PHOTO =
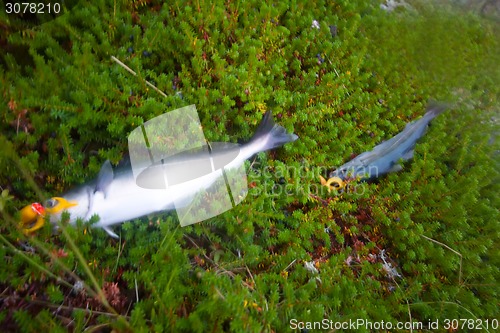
385,157
116,195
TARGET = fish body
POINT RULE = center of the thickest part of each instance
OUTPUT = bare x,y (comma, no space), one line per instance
116,196
385,157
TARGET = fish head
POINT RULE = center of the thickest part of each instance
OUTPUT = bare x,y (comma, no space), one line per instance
342,173
54,207
35,215
355,169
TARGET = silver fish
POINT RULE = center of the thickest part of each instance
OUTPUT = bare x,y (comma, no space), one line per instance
117,196
385,157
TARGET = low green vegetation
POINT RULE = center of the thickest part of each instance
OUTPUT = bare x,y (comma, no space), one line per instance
419,245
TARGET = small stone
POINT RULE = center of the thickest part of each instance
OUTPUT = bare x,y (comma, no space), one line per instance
333,30
320,59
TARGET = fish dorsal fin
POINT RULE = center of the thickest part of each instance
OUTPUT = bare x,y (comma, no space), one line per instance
104,178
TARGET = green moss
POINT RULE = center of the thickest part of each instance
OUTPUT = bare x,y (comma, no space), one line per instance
343,88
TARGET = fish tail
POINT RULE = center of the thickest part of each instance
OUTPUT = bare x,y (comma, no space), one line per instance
270,135
434,109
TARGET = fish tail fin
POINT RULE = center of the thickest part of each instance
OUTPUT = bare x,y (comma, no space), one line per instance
270,135
434,109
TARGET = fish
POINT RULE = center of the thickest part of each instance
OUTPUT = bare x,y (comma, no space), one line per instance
116,196
388,155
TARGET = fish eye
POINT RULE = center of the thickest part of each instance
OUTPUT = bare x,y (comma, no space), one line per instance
51,203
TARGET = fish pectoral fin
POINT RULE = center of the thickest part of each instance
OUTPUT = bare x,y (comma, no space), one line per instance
111,232
395,168
408,155
104,178
90,195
